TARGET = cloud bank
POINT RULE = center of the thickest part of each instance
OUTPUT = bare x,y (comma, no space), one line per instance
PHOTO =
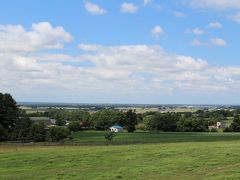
130,70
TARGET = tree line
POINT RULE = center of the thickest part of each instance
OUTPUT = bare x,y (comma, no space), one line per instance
15,124
150,121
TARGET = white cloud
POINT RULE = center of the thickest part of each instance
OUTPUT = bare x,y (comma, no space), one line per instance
146,2
218,42
94,9
178,14
157,31
196,31
235,17
128,8
197,42
212,42
116,71
215,25
41,35
214,4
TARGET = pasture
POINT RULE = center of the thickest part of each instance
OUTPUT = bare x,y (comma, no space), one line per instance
167,156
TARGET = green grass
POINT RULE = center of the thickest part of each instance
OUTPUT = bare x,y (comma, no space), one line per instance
212,160
97,137
167,156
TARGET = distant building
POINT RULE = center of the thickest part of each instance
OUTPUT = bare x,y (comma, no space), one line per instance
216,126
116,128
47,121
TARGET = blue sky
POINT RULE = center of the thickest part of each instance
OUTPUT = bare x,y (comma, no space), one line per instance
136,51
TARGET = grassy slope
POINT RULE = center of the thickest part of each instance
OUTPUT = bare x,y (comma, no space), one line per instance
175,160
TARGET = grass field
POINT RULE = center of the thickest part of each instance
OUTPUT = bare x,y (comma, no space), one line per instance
97,137
167,156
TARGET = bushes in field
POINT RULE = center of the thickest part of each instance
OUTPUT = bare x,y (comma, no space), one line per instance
38,132
164,122
58,133
173,122
193,125
109,136
74,126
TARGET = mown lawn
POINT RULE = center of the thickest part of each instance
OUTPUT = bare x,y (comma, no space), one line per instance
97,137
185,160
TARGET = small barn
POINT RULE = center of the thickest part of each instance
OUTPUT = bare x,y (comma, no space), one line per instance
116,128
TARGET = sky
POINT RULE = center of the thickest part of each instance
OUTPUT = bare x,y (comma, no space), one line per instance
134,51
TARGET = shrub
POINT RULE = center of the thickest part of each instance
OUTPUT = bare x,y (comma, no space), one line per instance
109,135
235,126
38,132
74,126
141,126
3,133
58,133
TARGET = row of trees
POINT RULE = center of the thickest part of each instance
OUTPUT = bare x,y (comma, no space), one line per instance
184,122
100,120
16,125
173,122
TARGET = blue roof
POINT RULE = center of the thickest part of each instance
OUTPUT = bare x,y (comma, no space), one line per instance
117,127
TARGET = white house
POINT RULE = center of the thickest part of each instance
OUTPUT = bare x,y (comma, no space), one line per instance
216,126
116,128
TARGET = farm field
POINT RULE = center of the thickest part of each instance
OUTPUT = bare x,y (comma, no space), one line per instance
206,156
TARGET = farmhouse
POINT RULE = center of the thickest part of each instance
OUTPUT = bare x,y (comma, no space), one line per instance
216,126
116,128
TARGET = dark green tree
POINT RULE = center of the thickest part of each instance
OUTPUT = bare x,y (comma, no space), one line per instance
58,133
235,126
74,126
22,130
130,120
9,112
165,122
192,125
37,132
3,133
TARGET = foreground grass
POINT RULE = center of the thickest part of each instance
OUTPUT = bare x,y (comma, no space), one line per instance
199,156
212,160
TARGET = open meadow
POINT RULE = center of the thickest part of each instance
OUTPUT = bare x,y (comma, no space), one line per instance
156,156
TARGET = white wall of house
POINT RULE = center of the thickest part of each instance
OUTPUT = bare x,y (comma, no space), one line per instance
116,129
